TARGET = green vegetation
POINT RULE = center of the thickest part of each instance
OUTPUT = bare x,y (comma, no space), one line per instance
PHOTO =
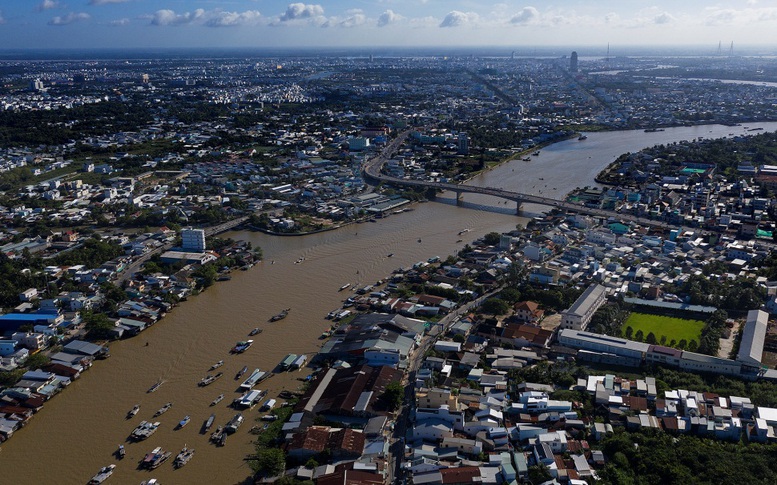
92,253
393,395
654,456
670,328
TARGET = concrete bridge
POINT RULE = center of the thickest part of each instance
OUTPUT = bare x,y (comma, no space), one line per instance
372,171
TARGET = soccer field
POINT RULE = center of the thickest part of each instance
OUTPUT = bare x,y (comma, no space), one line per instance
673,328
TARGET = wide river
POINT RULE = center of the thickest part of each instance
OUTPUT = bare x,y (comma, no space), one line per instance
77,432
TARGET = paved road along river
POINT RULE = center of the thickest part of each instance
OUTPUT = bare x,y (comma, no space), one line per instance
76,433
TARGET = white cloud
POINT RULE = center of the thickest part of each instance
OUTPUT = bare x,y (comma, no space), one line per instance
456,18
231,19
612,18
355,18
663,18
388,17
106,2
47,5
120,22
69,18
301,11
527,16
169,17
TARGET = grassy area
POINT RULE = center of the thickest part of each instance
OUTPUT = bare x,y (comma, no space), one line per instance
672,328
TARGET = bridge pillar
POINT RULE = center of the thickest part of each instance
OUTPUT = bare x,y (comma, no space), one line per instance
518,207
458,198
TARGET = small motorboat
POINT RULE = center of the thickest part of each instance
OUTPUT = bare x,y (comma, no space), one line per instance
103,474
255,331
389,255
132,412
242,346
241,372
217,365
184,421
218,399
209,422
281,315
163,409
155,386
344,287
121,452
209,379
183,457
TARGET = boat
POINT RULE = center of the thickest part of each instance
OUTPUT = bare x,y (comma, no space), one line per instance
209,422
183,457
163,409
218,399
459,240
233,423
144,430
248,399
536,154
217,365
103,474
582,137
255,331
222,439
209,379
256,376
287,361
152,481
242,346
132,412
281,315
216,435
241,372
526,159
121,452
183,422
389,255
344,287
155,386
155,458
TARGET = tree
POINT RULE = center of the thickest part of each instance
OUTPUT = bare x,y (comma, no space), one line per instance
98,324
682,344
270,461
510,295
639,336
651,338
36,361
492,238
394,394
539,473
495,306
629,332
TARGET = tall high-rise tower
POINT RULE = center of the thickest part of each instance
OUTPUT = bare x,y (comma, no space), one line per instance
573,62
193,240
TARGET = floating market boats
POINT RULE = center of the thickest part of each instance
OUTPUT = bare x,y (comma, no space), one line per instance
217,365
183,457
132,412
155,458
241,372
144,430
209,379
218,399
242,346
163,409
156,386
103,474
281,315
184,421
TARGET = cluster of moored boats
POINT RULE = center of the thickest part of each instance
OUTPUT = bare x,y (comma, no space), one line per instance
145,429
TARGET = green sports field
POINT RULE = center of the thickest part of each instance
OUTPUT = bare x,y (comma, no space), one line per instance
673,328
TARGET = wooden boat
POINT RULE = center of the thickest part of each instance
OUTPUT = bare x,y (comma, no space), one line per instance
121,452
255,331
344,286
242,346
218,399
155,386
132,412
209,422
163,409
217,365
103,474
184,421
209,379
241,372
216,435
281,315
183,457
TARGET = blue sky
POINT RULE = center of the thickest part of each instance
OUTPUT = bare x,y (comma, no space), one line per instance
271,23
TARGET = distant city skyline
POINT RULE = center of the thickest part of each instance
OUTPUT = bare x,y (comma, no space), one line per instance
79,24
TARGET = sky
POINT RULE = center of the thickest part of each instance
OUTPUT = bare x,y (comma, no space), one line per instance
79,24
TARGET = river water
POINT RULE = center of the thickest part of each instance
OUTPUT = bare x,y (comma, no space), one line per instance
76,433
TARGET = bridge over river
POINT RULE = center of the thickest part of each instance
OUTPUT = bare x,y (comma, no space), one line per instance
372,171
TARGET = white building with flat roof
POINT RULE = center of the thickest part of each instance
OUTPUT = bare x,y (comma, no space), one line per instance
579,315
